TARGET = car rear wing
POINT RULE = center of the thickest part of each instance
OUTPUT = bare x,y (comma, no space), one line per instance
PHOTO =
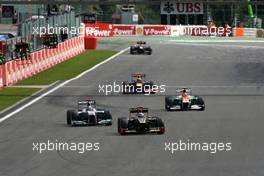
180,90
141,42
84,103
138,110
135,75
87,101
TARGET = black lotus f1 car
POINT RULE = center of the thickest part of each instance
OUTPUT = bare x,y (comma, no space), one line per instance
184,100
139,122
88,114
140,48
138,85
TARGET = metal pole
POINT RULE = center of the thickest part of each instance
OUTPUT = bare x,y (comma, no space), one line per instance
168,19
256,8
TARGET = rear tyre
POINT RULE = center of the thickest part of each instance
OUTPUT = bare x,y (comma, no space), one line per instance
121,124
150,52
109,124
167,108
109,117
132,51
202,109
160,124
166,104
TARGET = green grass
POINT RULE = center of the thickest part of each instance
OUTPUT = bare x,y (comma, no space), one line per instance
69,68
62,71
10,96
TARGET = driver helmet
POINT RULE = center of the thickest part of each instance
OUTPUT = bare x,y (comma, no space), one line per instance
184,92
140,115
139,78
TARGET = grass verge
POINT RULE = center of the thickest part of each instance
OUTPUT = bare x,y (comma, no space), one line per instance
63,71
10,96
70,68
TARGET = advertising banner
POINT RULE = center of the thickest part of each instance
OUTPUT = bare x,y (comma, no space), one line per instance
157,30
98,30
120,30
174,7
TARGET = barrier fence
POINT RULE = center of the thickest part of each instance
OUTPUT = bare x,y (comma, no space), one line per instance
16,70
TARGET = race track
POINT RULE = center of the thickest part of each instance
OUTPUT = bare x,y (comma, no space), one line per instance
229,78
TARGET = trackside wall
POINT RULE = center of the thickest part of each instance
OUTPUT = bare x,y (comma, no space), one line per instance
16,70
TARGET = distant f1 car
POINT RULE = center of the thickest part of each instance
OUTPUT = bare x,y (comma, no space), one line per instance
140,48
88,114
184,100
139,122
138,85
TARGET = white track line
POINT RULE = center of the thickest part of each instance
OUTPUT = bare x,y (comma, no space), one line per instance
218,41
59,86
178,86
219,86
214,45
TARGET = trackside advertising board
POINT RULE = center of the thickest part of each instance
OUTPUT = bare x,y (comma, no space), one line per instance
157,30
124,30
110,30
175,7
98,30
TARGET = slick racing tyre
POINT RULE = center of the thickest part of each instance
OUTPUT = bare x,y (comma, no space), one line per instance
69,116
121,124
150,52
167,107
160,125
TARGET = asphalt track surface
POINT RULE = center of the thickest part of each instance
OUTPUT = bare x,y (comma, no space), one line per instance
229,78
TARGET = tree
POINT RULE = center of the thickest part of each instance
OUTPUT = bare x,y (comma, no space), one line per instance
1,58
148,14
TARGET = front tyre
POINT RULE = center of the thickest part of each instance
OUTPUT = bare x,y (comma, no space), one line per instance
69,117
70,114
